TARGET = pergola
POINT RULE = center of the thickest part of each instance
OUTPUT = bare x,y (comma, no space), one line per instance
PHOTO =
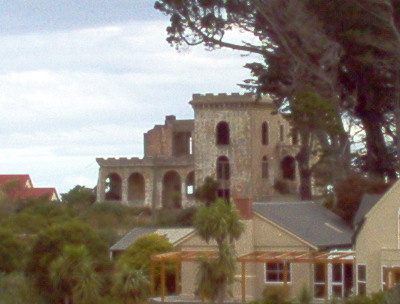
284,257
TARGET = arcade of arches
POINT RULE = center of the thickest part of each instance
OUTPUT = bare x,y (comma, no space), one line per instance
175,188
138,188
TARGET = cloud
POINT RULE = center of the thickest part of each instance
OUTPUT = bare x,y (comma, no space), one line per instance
68,97
21,16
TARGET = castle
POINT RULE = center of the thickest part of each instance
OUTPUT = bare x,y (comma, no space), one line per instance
237,139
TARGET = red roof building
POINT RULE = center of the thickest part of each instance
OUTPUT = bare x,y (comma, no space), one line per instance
19,186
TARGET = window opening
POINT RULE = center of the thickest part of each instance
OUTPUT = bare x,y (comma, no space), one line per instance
274,272
222,133
264,168
264,134
281,133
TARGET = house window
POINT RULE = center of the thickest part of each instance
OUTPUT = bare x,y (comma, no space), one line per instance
222,133
264,168
319,281
361,279
264,134
223,170
274,272
281,133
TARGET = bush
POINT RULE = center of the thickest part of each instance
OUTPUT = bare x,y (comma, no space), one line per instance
175,217
12,252
49,245
16,288
273,295
282,186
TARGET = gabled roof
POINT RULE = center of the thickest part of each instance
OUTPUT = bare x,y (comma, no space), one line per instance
174,235
308,221
368,201
22,178
26,189
48,193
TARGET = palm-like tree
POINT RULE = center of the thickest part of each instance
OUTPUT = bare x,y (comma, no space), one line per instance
73,275
219,222
131,285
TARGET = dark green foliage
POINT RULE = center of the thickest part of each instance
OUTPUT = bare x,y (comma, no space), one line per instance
16,288
174,217
273,295
12,252
115,217
350,191
79,195
73,276
33,218
376,298
49,246
218,222
282,186
131,285
138,254
207,192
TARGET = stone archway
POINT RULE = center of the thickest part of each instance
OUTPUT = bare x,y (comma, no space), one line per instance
171,190
136,189
113,187
288,168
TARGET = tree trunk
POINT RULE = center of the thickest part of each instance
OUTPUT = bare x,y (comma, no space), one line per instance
303,163
368,109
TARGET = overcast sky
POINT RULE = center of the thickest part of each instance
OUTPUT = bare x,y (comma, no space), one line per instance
84,79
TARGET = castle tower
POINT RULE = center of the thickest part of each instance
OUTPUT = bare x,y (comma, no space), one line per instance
243,145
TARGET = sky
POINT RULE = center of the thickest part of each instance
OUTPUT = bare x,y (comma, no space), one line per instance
85,79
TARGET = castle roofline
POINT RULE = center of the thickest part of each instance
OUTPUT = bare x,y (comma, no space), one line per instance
231,99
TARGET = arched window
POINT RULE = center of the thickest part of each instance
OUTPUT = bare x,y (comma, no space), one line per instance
288,167
171,190
264,168
222,133
113,187
223,170
264,134
136,189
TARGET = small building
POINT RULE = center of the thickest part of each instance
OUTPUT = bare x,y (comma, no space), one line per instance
19,187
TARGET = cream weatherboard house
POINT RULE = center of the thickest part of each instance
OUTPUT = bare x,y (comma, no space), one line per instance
377,243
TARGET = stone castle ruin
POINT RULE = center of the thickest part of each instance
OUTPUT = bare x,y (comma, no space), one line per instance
236,139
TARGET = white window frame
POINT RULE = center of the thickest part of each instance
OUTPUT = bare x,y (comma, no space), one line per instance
358,279
317,283
278,271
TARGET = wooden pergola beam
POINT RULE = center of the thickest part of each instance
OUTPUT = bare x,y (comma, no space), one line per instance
285,257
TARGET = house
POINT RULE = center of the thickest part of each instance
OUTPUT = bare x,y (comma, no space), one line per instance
377,243
19,187
239,140
287,245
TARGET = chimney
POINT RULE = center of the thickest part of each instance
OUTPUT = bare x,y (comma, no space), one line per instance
169,119
245,208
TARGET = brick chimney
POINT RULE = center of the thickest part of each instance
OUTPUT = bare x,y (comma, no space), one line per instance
245,207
